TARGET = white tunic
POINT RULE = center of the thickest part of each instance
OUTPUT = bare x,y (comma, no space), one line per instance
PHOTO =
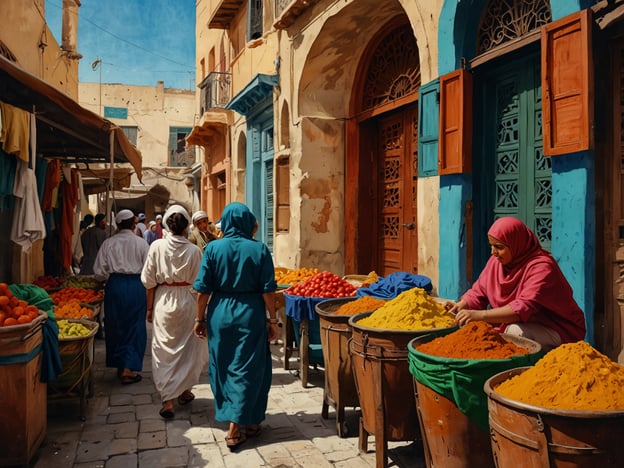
178,356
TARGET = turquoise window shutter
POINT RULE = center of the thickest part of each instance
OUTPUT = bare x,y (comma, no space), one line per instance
428,118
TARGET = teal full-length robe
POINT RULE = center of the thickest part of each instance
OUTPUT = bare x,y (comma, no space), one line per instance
236,271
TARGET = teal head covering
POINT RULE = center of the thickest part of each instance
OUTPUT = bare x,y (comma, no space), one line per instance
237,221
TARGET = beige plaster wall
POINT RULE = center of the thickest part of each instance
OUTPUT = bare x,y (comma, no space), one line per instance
151,108
24,31
319,64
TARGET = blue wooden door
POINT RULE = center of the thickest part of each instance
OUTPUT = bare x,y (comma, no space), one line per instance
259,176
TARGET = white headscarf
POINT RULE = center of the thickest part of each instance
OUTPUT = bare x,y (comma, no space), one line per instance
175,209
199,215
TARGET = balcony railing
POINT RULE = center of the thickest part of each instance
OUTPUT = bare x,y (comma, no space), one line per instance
215,91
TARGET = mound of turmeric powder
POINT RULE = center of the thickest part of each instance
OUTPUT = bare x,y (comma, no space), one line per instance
573,376
413,309
363,304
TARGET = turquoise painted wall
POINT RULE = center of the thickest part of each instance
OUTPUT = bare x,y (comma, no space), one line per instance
573,228
455,190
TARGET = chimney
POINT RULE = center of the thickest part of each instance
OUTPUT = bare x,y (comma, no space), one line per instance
69,33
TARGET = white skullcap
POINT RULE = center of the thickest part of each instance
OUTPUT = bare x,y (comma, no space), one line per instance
199,215
152,223
158,216
175,209
123,215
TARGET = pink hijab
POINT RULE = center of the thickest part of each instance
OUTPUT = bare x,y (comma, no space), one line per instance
525,249
532,283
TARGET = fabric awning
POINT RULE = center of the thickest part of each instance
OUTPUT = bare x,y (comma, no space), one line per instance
65,129
97,180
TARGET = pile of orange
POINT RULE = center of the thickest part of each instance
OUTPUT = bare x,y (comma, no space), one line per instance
14,311
72,309
80,294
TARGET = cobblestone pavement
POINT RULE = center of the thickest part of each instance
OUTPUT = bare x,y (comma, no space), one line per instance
123,428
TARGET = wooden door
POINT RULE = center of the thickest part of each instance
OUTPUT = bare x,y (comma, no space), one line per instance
513,177
396,180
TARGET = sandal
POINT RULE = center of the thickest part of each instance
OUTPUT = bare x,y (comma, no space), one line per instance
240,439
130,379
253,431
186,397
166,412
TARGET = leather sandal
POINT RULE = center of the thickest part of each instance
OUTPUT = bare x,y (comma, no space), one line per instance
186,397
166,412
237,442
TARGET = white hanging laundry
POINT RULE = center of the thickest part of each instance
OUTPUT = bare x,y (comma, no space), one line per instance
28,225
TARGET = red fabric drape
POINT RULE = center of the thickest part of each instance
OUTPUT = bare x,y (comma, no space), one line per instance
52,180
69,193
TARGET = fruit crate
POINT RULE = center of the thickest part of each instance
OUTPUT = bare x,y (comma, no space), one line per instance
23,404
77,355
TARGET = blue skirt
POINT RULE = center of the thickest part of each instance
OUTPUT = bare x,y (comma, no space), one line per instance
125,308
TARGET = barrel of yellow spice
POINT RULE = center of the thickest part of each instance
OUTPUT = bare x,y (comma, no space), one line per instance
566,410
449,372
340,391
379,357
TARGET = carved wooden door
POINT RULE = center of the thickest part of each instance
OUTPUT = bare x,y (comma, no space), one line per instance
397,177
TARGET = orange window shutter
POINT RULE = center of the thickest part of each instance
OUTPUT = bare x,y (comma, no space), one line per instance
455,145
567,83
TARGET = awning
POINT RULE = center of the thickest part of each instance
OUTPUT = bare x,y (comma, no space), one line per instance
257,90
65,129
97,180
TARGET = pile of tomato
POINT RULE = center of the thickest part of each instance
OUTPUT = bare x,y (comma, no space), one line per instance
14,311
81,294
323,284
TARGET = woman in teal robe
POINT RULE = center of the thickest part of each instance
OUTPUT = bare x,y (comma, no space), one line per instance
236,281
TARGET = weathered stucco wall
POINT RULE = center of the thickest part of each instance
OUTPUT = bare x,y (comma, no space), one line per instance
151,108
320,60
24,31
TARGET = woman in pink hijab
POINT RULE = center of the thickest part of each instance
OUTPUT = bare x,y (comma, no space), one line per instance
522,290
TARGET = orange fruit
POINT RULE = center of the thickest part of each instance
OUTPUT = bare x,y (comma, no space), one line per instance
10,321
17,311
24,319
4,300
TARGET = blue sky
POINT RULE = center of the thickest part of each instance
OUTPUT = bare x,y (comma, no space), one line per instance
139,42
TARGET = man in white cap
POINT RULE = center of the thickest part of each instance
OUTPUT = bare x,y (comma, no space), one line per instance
119,262
203,231
140,227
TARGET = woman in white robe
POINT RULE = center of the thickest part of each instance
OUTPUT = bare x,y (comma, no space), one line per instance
178,356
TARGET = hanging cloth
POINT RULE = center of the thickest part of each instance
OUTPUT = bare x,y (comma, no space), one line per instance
69,192
28,225
15,131
53,179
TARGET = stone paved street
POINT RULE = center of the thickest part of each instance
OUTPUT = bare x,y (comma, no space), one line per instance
123,428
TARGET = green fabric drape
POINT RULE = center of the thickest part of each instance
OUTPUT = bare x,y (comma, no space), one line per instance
462,380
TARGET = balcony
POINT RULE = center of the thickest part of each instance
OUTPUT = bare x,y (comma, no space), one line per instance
224,14
215,91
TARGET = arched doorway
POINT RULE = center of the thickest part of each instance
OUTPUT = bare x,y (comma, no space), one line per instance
382,153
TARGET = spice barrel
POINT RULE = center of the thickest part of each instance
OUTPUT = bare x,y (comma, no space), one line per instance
384,384
340,389
451,405
523,435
